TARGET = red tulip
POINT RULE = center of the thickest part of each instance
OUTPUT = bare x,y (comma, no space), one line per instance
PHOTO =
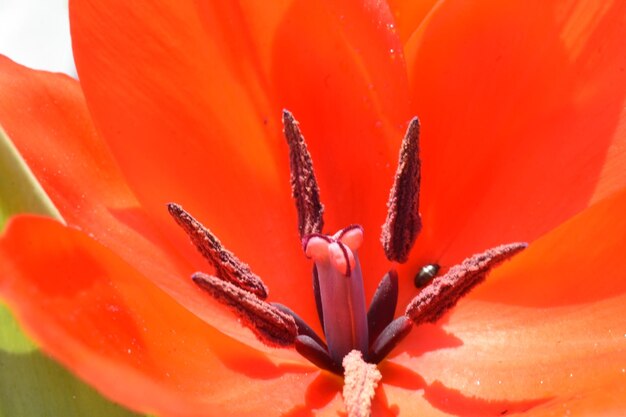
523,139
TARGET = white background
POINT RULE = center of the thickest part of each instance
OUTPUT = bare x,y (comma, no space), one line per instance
36,33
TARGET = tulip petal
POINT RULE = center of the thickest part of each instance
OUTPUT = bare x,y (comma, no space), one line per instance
522,109
549,326
24,368
111,326
49,106
46,117
193,115
409,14
343,76
189,121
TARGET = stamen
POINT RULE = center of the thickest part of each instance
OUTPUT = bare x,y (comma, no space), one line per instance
316,354
403,222
389,338
227,266
444,291
269,324
383,306
303,327
360,382
303,183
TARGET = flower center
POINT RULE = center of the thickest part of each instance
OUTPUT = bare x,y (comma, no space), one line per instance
347,323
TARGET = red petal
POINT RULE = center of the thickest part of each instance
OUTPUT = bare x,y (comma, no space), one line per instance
46,117
523,118
409,14
548,328
189,121
189,98
114,328
338,67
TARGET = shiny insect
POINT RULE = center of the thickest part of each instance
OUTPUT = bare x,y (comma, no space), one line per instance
426,274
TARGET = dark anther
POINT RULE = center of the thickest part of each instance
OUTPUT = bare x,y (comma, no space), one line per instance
227,266
303,327
389,339
270,325
403,222
303,183
444,291
426,274
383,306
316,354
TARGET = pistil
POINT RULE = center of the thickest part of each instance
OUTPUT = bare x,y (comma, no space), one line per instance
341,290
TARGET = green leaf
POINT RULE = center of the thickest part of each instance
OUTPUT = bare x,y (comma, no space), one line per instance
19,190
31,384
